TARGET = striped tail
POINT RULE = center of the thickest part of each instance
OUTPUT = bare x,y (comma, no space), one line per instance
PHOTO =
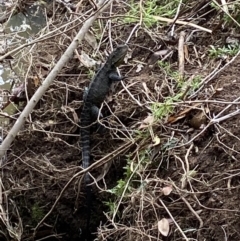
85,139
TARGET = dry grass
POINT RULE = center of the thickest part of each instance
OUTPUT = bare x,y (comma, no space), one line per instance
171,132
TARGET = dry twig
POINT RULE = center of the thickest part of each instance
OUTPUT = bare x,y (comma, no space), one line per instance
41,90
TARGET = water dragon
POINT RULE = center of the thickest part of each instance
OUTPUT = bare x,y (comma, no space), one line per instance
93,97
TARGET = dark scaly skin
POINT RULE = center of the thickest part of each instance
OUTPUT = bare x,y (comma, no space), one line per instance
93,98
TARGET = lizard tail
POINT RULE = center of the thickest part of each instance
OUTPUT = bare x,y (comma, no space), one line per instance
85,138
89,210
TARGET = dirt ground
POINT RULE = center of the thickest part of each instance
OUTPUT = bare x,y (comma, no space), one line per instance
177,165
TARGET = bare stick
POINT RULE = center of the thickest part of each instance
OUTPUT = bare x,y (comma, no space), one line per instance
168,20
176,17
178,227
181,54
52,75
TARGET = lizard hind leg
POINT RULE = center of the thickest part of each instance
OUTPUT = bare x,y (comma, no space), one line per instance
95,112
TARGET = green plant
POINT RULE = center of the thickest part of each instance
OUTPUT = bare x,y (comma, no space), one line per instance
231,13
167,68
125,184
118,189
149,9
161,110
195,82
91,73
37,213
143,134
111,206
191,85
229,50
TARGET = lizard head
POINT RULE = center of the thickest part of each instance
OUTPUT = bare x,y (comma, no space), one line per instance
117,56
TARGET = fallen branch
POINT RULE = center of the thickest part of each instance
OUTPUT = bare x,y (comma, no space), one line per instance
181,57
52,75
168,20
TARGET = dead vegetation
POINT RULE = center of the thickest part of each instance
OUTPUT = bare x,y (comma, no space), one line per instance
171,128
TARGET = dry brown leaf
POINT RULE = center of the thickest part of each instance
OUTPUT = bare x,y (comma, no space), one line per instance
132,167
148,121
156,141
156,56
198,120
87,61
167,190
91,40
164,227
75,116
36,81
51,122
173,119
147,91
182,114
139,68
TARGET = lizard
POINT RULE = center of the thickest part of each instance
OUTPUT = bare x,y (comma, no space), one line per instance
93,97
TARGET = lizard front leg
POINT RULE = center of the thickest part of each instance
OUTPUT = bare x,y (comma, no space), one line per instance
95,112
113,75
85,93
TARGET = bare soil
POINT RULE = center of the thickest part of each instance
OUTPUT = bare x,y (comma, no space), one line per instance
197,157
